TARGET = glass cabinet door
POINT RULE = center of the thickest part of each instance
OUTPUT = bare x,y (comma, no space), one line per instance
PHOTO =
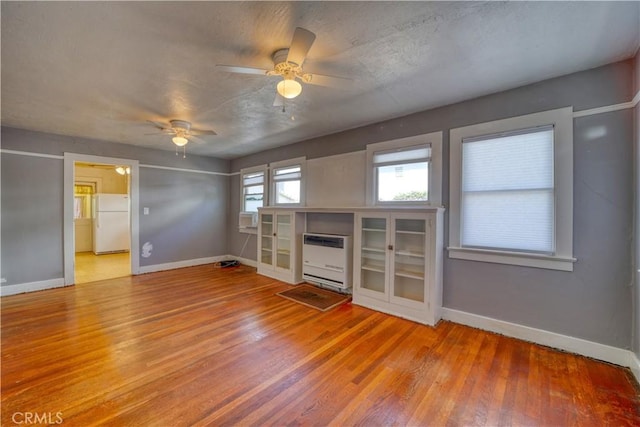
409,259
283,241
266,239
373,268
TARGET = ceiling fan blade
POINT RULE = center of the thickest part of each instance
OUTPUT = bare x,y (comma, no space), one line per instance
300,45
201,132
161,126
242,70
193,138
166,132
278,101
328,81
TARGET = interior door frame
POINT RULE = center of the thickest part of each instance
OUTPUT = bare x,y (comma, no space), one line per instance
70,160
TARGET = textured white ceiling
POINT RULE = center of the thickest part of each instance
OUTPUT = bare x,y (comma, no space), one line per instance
101,69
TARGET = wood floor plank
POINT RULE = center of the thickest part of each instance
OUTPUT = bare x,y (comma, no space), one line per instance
205,346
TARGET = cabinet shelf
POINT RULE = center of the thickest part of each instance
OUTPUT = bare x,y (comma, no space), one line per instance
376,250
413,254
417,233
373,267
418,275
375,230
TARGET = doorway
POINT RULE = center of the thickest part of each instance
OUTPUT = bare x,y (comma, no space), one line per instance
86,179
101,247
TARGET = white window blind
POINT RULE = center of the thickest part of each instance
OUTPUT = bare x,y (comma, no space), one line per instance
253,191
403,155
507,194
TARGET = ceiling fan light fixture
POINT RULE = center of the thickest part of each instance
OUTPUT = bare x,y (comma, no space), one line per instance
123,170
289,88
180,140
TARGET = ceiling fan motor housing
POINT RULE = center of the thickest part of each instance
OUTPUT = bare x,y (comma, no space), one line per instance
180,126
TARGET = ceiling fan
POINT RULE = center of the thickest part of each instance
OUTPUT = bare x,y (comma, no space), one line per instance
182,131
287,63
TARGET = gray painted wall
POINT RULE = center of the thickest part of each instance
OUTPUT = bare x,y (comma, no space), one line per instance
187,215
594,302
188,210
636,287
31,223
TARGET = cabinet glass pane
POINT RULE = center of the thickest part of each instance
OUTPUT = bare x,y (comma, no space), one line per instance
410,225
267,224
266,245
408,288
372,280
283,260
266,257
283,241
373,253
374,233
409,259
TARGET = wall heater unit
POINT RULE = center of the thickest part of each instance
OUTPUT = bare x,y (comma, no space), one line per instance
327,260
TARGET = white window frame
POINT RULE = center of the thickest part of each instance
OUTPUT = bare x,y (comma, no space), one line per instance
562,259
265,170
434,140
298,161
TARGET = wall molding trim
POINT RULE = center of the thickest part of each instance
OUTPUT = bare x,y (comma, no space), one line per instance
31,154
608,108
22,288
617,356
169,168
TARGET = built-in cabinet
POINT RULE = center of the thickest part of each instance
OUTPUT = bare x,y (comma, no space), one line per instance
279,244
398,263
397,259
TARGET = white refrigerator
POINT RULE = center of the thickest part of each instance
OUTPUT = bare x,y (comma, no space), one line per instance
110,223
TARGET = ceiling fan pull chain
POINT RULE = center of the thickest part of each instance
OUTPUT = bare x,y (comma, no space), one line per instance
184,151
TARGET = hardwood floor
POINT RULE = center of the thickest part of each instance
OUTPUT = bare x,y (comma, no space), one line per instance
205,346
92,268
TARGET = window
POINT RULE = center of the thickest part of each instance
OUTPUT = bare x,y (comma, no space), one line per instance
253,188
405,171
82,200
512,189
287,182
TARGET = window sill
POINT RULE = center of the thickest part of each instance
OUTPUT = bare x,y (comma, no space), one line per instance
513,258
248,230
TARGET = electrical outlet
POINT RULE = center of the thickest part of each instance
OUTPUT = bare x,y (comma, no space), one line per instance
3,280
145,211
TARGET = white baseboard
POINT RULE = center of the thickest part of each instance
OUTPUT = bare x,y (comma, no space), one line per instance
182,264
245,261
617,356
31,287
56,283
635,365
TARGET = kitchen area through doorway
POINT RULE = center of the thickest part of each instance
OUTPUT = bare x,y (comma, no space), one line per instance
101,222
